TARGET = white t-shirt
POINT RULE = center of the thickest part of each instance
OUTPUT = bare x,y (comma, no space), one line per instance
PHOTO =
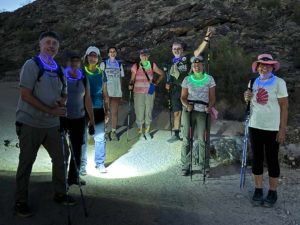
113,72
198,91
264,108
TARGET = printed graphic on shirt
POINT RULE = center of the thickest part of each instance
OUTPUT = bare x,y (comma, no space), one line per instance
262,96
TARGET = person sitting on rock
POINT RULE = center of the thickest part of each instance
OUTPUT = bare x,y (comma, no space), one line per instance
267,125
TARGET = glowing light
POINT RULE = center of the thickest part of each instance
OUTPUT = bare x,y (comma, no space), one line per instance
90,72
144,158
78,72
263,83
176,59
47,66
202,82
146,64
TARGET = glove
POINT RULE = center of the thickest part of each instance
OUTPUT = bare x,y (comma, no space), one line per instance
91,130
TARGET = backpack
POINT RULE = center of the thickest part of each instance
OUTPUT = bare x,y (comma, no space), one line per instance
42,70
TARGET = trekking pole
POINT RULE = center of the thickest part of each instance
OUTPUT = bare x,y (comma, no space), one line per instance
245,148
169,97
78,179
62,138
206,138
191,142
128,115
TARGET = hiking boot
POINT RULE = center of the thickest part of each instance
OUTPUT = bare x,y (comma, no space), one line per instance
113,136
64,199
271,199
174,138
83,172
101,169
185,172
22,210
139,130
75,181
258,198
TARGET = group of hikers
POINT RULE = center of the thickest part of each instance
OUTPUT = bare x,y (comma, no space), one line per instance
84,96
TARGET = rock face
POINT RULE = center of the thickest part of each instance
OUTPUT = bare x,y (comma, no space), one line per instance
254,26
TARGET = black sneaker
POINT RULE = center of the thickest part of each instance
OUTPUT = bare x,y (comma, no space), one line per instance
258,198
174,138
22,210
75,181
271,199
185,172
64,199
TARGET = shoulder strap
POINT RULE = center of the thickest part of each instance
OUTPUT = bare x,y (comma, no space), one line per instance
84,80
40,66
145,73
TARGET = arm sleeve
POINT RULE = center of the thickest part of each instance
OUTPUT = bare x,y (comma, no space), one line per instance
102,66
184,83
281,89
29,74
212,82
134,68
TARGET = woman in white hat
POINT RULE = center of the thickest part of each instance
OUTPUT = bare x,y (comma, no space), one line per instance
267,124
99,97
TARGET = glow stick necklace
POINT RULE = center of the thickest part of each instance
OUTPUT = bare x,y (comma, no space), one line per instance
46,66
202,82
92,73
78,72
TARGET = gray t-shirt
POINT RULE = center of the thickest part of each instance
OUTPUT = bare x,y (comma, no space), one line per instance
75,102
48,90
113,73
198,90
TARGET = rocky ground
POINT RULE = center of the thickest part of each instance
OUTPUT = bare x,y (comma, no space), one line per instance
143,185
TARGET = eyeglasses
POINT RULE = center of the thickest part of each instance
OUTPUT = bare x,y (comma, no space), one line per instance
112,51
176,49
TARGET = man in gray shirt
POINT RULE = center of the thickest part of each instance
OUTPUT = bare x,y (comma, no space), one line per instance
41,103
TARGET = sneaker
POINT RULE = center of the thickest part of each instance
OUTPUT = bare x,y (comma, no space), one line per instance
139,130
174,138
75,181
113,136
257,199
101,169
22,210
185,172
64,199
271,199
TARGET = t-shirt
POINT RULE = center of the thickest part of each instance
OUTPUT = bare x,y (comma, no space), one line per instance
96,80
183,67
198,90
113,72
76,94
142,84
48,90
264,107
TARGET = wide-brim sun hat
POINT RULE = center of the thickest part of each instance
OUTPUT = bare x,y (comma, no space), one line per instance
265,59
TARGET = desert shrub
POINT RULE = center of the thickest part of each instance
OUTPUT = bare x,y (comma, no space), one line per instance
268,4
26,35
296,13
230,65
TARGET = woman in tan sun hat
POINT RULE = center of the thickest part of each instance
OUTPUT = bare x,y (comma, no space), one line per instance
267,124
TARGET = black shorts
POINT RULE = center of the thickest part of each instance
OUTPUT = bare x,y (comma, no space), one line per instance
176,102
263,143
